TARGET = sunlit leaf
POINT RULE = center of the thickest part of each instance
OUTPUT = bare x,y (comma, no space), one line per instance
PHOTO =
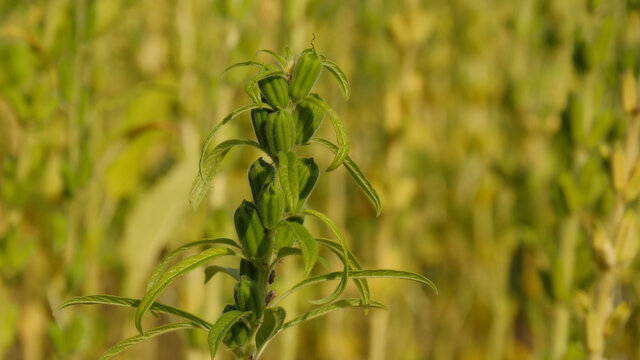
124,301
288,175
278,57
244,63
180,268
129,342
272,322
307,244
357,175
338,126
339,75
326,309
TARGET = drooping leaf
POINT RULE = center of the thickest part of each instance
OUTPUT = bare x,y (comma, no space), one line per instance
278,57
353,263
307,245
345,251
357,175
124,301
360,274
271,323
178,269
202,182
288,174
222,326
244,63
129,342
326,309
160,268
338,126
339,75
288,251
209,271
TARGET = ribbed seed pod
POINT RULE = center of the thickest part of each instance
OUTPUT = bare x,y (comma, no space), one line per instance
284,236
305,74
258,119
261,173
280,132
247,297
307,117
271,204
274,88
250,231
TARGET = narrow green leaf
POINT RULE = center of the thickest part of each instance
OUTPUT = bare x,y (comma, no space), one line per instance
353,263
129,342
244,63
288,174
180,268
360,274
160,268
338,126
271,323
345,253
287,251
357,175
307,245
212,270
213,133
202,182
326,309
278,57
222,327
123,301
339,75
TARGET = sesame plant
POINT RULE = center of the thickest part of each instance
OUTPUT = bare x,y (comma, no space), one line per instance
270,227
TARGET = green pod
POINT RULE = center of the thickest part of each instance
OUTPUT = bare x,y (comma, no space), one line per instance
274,88
250,231
280,132
305,74
248,269
258,119
261,173
307,117
308,173
237,335
284,237
271,204
247,297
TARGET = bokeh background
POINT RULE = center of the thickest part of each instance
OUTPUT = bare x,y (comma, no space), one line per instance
463,115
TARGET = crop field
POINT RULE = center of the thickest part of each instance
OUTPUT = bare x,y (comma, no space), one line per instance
502,137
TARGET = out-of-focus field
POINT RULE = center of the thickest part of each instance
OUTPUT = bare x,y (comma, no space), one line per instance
458,115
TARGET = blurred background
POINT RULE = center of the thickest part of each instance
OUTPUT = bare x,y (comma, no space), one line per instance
463,115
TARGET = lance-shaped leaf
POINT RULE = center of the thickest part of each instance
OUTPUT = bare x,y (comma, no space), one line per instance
129,342
281,61
244,63
357,175
180,268
287,251
338,126
326,309
359,274
124,301
353,263
222,326
214,131
345,252
289,180
160,268
210,271
307,244
202,183
339,75
272,322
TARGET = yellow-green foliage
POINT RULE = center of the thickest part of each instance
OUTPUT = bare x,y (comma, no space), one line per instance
497,133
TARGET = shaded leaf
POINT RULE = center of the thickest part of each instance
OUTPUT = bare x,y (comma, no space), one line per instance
272,322
212,270
222,326
338,126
